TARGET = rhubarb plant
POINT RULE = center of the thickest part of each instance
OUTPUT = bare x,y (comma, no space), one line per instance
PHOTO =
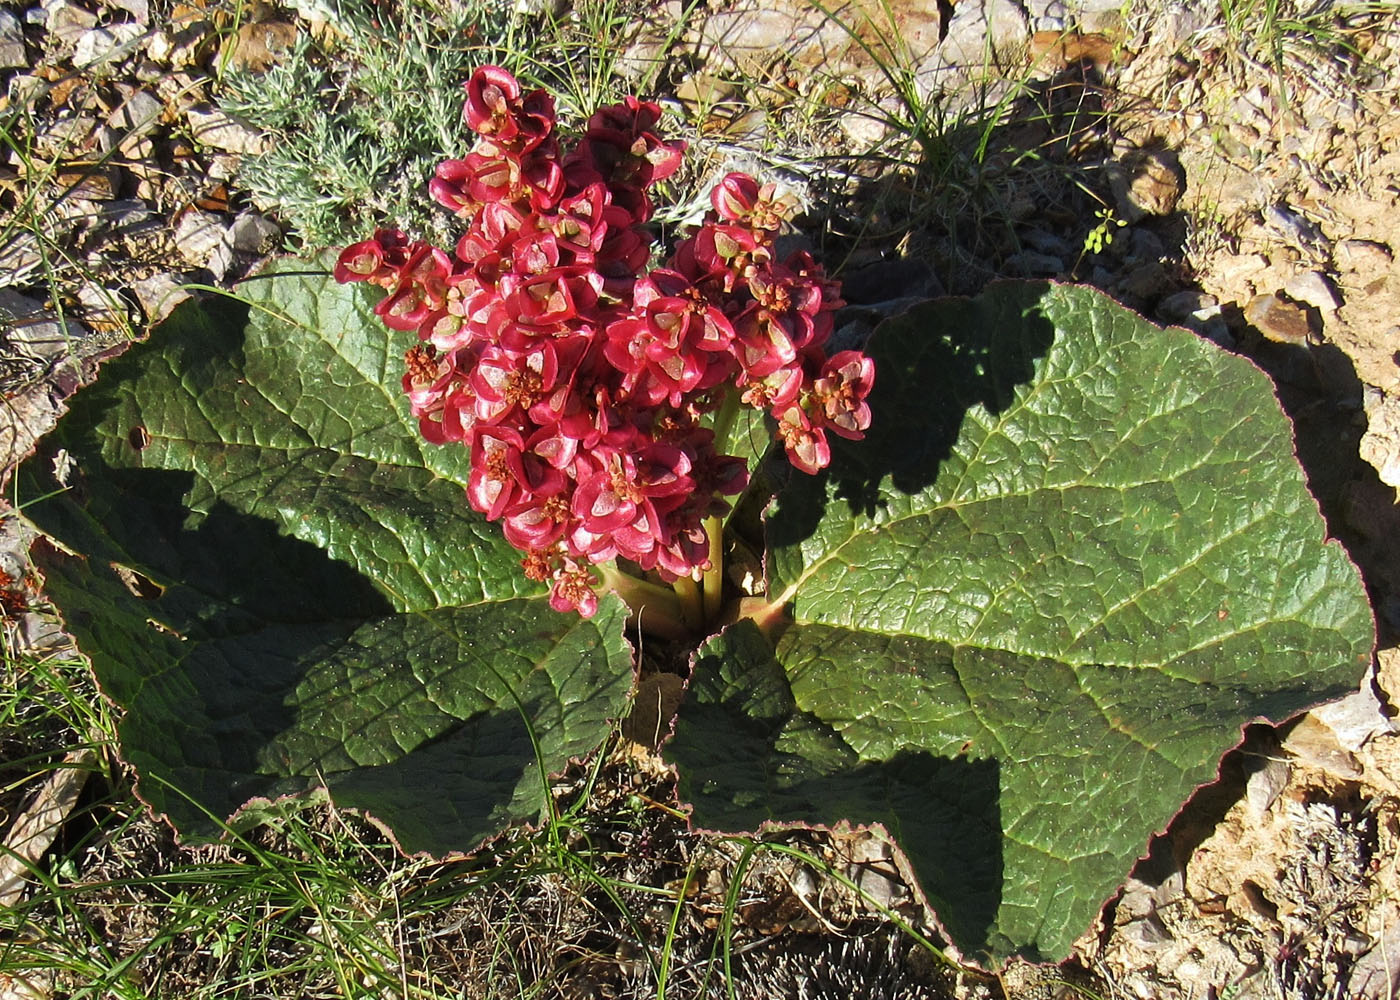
388,530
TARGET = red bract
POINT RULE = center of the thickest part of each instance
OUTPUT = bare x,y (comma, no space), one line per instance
374,260
495,109
840,393
576,377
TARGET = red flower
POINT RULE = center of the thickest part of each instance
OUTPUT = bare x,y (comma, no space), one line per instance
840,393
577,378
806,445
496,109
375,260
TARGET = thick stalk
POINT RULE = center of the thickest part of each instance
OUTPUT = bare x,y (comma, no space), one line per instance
713,582
655,609
692,607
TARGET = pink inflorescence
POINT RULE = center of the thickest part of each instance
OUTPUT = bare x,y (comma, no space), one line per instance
576,376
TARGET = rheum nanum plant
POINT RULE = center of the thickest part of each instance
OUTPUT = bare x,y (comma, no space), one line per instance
1014,626
577,377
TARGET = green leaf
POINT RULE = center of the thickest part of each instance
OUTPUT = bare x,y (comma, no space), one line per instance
283,587
1027,615
744,433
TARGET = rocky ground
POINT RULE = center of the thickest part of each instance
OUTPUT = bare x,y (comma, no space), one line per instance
1210,168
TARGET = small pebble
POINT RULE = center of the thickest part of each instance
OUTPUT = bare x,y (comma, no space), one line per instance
198,235
65,21
216,130
138,114
1181,305
159,295
103,44
1313,288
1278,320
12,54
252,233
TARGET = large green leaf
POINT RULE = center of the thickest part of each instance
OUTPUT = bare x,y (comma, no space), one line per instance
1029,613
284,589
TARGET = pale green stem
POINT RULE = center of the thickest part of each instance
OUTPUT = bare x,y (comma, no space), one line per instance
655,609
692,608
713,581
714,576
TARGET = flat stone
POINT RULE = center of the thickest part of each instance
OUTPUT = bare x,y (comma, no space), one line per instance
198,235
1217,331
1355,719
1239,190
252,233
138,114
1376,975
221,260
751,36
23,420
24,87
12,53
20,257
98,183
975,27
104,44
864,131
1314,289
160,46
222,167
159,294
67,21
181,48
103,308
31,329
140,150
1380,445
216,130
1314,743
140,10
1296,229
128,215
1100,15
1278,320
1363,255
63,139
1178,23
1045,242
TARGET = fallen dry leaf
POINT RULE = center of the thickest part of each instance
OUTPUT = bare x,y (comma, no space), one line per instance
256,48
36,827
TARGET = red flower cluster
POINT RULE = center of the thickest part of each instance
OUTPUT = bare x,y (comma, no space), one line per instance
578,378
